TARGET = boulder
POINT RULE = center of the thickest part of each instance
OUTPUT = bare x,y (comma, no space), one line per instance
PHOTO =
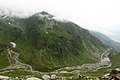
46,77
53,77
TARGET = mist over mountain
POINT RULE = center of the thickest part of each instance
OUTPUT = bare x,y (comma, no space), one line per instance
12,12
106,40
110,30
114,33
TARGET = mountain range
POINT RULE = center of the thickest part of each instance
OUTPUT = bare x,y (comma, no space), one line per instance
106,40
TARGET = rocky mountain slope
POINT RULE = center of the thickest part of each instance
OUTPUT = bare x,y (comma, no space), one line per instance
106,40
47,43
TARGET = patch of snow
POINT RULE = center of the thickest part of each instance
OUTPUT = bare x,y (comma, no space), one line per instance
46,32
13,44
4,17
9,23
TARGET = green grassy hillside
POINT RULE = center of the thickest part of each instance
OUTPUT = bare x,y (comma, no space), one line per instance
47,44
115,59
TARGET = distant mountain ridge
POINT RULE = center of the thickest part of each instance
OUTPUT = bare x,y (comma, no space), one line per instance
46,43
106,40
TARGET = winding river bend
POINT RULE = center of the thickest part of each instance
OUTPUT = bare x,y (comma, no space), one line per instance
104,62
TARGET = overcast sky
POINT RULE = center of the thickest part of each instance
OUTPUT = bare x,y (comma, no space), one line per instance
99,15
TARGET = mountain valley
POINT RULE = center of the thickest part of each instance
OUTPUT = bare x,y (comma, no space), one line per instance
46,45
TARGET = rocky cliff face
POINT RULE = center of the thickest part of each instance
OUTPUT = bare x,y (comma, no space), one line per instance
46,43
